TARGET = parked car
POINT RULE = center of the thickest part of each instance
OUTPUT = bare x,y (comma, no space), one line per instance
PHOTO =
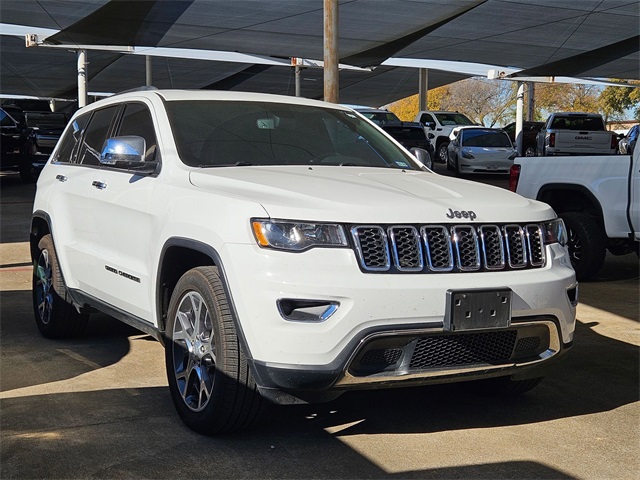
17,145
627,144
410,135
287,250
479,149
575,133
378,116
529,132
439,126
37,115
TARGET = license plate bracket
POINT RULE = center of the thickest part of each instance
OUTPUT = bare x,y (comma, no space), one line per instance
477,309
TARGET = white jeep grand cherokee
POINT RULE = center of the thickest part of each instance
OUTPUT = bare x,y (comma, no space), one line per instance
287,250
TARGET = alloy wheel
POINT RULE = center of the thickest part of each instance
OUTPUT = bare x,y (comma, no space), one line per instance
44,287
194,356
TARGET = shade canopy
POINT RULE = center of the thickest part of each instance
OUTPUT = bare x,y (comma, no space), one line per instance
585,39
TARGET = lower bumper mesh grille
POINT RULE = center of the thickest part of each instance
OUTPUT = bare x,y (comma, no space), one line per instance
468,349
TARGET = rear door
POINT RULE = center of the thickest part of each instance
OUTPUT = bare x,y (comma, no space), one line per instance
68,182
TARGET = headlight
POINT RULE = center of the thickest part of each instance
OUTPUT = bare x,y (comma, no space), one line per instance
297,236
554,231
466,154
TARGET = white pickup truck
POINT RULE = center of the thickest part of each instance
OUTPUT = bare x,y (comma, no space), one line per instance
598,197
575,133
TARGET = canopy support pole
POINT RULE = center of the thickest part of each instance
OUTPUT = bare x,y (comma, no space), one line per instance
82,78
148,70
331,84
531,100
519,117
423,89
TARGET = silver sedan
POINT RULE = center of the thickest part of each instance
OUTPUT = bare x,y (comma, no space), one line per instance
480,150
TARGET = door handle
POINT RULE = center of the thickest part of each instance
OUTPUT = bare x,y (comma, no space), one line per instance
61,178
99,185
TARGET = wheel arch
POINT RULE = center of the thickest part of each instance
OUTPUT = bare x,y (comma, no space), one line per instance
571,198
40,226
178,256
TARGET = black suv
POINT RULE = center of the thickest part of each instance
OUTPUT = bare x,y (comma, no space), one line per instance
17,145
410,135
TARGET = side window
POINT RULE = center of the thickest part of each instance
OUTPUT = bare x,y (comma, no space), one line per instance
137,121
70,142
426,117
97,132
5,120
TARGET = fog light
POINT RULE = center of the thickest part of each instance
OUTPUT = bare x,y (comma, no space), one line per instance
297,310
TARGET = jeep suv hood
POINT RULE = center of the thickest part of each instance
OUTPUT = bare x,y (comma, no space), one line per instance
355,194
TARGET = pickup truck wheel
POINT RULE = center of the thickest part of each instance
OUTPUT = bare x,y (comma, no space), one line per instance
442,152
530,152
586,242
209,378
56,317
502,386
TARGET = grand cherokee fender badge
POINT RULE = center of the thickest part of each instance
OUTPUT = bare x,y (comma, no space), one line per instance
121,273
470,214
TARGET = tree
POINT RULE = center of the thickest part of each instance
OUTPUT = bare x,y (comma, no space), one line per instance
615,101
407,108
483,101
565,97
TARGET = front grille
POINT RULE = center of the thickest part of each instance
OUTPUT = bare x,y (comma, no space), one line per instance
448,248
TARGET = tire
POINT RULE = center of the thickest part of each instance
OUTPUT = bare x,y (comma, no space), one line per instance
530,151
587,244
442,152
28,173
502,386
210,382
450,165
458,171
55,315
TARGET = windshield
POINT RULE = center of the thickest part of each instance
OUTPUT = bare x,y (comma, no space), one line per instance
453,119
228,133
485,138
381,117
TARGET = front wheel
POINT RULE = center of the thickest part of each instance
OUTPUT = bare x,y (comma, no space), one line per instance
210,382
56,317
530,152
586,243
443,152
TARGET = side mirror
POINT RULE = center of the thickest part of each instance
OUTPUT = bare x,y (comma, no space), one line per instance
127,153
431,125
423,157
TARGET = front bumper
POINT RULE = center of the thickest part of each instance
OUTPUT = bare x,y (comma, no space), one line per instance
391,315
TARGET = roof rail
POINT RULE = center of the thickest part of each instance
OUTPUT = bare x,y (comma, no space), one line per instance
144,88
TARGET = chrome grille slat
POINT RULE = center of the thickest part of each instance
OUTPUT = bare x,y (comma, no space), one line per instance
437,242
405,243
516,248
492,247
448,248
467,249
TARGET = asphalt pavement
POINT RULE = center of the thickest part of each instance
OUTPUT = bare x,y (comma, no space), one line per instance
98,406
